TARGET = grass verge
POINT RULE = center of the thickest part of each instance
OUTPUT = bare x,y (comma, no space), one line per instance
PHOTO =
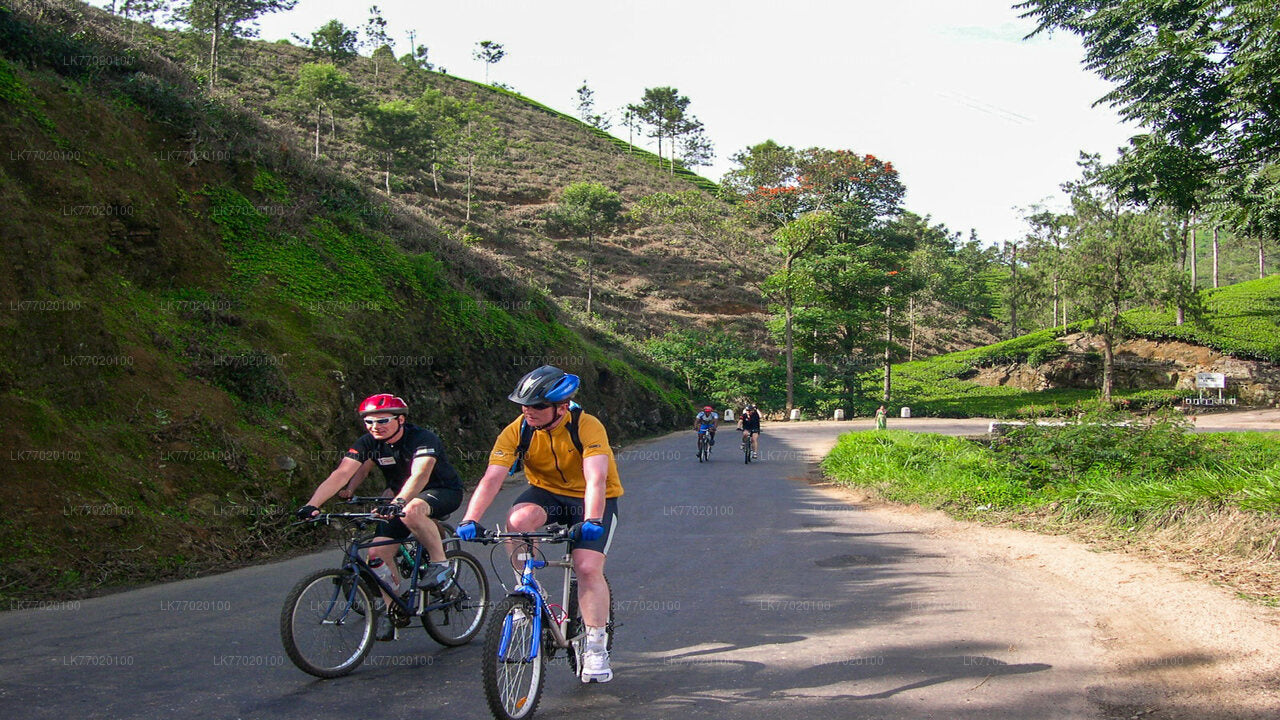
1216,506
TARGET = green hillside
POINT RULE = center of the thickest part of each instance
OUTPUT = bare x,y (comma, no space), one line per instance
1241,320
192,304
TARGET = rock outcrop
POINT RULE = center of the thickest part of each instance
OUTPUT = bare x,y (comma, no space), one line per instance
1141,364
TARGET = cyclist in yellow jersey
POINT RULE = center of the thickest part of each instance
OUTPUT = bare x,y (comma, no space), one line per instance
568,486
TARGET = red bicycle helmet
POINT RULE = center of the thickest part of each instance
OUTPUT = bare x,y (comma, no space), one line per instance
382,403
707,409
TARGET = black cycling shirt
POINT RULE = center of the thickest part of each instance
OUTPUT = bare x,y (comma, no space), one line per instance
395,459
750,421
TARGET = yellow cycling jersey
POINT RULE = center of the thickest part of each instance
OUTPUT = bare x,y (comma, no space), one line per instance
552,462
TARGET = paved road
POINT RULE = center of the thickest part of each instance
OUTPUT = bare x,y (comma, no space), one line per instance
742,592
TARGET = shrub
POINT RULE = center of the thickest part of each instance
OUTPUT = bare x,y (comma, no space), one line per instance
1100,438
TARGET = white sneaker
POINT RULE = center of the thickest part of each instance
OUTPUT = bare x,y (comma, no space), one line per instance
595,666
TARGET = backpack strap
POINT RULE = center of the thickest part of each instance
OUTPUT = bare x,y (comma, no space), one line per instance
526,437
575,412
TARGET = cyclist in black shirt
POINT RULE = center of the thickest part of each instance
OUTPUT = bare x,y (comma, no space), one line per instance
419,478
749,422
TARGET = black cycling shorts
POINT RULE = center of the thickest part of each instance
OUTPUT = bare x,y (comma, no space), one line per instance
442,502
567,510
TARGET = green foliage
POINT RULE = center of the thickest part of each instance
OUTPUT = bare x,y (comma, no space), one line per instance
933,470
334,42
1242,320
1123,446
1146,473
1042,354
16,94
589,209
270,185
328,268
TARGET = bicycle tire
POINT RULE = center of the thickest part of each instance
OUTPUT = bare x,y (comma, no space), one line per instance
746,451
318,641
512,687
457,624
574,624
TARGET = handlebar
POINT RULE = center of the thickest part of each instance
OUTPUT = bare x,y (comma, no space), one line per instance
326,517
560,534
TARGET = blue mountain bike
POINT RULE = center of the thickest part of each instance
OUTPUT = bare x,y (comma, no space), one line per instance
526,629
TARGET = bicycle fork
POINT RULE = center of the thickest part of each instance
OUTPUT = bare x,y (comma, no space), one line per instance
530,589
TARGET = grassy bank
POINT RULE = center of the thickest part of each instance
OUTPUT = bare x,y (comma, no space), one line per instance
1213,497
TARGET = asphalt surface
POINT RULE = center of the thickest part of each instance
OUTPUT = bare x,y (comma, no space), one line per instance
741,591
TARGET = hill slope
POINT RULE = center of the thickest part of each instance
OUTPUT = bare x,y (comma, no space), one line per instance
192,306
1239,321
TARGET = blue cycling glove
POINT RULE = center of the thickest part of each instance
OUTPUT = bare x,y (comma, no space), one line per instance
587,530
470,530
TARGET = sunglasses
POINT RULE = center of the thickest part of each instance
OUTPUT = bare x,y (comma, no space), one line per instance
377,421
539,406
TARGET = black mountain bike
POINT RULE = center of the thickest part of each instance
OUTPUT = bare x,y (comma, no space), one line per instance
329,619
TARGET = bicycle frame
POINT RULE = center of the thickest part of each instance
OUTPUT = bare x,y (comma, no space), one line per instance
529,587
357,565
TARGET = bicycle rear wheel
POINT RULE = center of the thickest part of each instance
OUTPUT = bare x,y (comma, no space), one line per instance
327,623
456,623
512,685
576,626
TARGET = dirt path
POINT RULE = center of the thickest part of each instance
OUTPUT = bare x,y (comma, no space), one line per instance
1268,419
1170,646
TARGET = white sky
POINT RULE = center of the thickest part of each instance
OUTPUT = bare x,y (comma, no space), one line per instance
977,121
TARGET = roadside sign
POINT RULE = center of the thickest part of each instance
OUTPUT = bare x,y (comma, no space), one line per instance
1210,380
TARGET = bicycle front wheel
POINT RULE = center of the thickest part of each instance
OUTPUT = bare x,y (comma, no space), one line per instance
512,684
327,623
455,624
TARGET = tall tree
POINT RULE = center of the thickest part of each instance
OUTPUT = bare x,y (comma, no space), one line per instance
1157,173
593,210
587,109
489,53
693,146
376,37
791,284
395,130
1117,260
858,195
334,42
224,20
447,117
323,85
478,139
663,110
1199,73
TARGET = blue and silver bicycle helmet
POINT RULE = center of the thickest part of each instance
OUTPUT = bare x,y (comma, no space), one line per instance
547,384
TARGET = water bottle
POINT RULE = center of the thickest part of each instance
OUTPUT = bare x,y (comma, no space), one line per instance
383,572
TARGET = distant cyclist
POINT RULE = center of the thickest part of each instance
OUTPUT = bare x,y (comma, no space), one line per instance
707,421
749,424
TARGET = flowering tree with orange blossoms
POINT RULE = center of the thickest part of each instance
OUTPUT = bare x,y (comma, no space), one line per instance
858,195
